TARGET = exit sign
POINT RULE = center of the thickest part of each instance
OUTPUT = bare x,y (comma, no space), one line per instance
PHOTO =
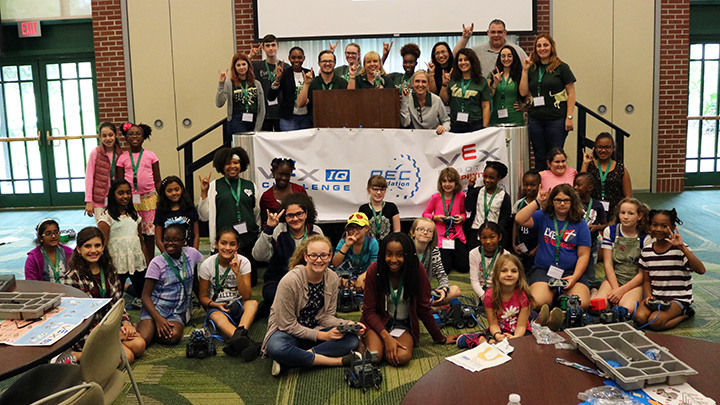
28,29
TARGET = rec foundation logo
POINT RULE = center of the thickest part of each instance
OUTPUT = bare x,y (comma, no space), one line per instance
403,177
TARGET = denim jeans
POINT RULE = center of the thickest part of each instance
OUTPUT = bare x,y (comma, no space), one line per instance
237,125
288,349
458,127
296,122
545,135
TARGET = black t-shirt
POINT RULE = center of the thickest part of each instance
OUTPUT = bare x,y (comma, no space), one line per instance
385,220
188,217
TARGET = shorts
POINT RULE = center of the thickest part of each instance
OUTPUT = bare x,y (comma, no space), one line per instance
684,306
146,211
397,324
236,311
144,315
539,275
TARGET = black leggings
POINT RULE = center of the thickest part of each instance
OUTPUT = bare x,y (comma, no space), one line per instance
456,259
137,280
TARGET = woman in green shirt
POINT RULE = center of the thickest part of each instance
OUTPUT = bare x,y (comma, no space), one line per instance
467,92
372,75
504,82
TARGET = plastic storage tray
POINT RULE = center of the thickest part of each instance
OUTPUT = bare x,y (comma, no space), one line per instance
627,346
19,305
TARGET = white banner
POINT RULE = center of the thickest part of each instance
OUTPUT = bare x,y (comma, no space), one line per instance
334,165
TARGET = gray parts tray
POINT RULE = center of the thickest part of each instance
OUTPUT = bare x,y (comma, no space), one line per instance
19,305
627,346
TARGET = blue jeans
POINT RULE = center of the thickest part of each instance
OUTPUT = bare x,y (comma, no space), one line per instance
545,135
237,125
458,127
296,122
288,349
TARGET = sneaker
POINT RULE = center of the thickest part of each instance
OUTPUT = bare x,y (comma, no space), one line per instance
66,357
349,358
544,315
470,340
238,342
251,352
276,369
689,311
556,319
136,303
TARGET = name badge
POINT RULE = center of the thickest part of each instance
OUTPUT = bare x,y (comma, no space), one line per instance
447,109
448,244
105,201
136,198
539,101
463,117
241,228
522,248
606,205
274,102
397,332
555,272
247,117
503,113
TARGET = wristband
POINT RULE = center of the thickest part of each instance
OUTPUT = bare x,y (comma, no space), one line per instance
538,203
342,253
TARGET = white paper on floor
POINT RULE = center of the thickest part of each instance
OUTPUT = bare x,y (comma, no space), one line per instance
483,356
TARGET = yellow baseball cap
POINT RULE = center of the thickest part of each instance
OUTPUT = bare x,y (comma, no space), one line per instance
358,218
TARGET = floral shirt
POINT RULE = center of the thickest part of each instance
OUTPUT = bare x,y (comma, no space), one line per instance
510,311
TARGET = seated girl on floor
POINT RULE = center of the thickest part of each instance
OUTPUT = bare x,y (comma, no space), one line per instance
48,261
167,295
357,251
424,237
90,270
225,292
667,266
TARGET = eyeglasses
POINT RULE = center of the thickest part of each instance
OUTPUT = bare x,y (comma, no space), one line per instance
440,53
562,200
48,234
604,147
297,215
424,230
314,256
327,61
496,32
351,53
378,189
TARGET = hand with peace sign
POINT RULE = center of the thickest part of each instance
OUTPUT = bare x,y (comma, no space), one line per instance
332,47
352,69
387,48
223,75
279,71
430,68
587,158
446,77
497,76
273,218
542,197
675,239
204,185
235,266
468,31
255,51
405,89
528,62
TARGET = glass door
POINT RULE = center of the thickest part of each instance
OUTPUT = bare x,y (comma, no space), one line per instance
48,127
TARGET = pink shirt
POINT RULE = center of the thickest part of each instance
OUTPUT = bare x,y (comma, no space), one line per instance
510,311
435,207
548,179
146,181
90,177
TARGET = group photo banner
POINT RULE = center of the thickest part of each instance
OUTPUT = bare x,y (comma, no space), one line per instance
334,164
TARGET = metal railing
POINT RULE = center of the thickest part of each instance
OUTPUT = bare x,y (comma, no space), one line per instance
191,165
583,142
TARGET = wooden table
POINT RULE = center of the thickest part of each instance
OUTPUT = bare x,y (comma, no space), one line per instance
538,379
17,359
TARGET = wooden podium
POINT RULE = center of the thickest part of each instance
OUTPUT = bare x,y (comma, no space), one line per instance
368,108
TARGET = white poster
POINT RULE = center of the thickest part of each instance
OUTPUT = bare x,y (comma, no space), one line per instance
334,165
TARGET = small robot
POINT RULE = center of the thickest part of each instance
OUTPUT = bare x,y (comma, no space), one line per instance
199,346
459,315
347,298
363,373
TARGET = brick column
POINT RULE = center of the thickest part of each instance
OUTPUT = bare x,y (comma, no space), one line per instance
109,61
244,25
672,129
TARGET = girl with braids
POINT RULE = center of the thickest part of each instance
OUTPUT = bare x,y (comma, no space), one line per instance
176,205
91,270
397,295
667,266
281,170
141,169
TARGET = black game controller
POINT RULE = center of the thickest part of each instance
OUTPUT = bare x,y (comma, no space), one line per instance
349,328
435,294
554,283
653,304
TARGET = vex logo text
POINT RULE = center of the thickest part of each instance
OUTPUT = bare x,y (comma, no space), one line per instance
470,159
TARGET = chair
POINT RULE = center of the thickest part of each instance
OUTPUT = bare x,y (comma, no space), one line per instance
40,382
83,394
100,356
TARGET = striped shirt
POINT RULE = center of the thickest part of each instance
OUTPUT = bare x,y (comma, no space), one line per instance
669,273
548,179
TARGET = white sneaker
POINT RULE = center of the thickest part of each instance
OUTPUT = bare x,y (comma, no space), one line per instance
276,369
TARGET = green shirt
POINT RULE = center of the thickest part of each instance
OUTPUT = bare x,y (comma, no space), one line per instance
245,99
506,94
361,82
471,102
344,71
337,83
552,88
226,209
400,78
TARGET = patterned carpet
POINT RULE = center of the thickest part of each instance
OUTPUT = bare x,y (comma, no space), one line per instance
166,376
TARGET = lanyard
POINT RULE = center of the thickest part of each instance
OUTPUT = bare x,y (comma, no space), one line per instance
540,77
101,286
558,239
236,195
327,87
53,267
219,282
246,92
486,207
603,176
501,87
377,218
136,167
181,274
523,203
395,296
448,210
357,258
463,88
587,213
271,75
346,73
486,271
112,165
